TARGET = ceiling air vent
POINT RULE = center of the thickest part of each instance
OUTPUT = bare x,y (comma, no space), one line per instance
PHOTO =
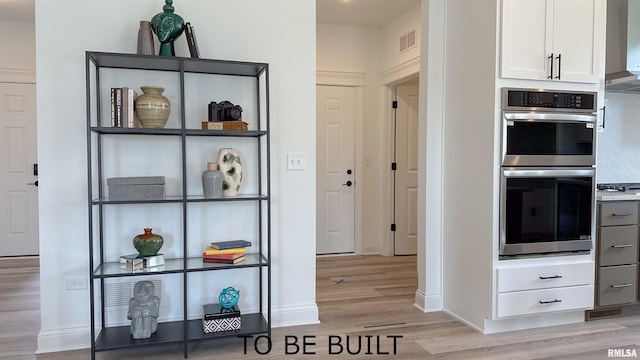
408,41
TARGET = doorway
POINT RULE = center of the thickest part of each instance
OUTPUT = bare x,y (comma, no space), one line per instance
18,170
405,168
336,118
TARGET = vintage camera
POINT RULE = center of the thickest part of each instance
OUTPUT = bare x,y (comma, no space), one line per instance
224,111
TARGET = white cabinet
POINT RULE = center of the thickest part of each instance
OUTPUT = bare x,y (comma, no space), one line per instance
554,40
536,289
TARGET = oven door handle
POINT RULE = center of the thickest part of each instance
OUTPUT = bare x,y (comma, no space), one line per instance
551,117
511,172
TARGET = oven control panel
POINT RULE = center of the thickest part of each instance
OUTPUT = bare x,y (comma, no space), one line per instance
531,99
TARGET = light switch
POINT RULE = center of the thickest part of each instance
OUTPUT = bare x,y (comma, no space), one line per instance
295,161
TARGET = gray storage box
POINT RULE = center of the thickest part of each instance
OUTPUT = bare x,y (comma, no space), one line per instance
136,188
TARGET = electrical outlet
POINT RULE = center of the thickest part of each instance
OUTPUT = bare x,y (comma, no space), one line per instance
76,284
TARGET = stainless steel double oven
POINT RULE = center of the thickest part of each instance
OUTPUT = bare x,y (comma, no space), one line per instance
547,190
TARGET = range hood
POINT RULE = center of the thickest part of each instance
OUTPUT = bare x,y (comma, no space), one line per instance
623,46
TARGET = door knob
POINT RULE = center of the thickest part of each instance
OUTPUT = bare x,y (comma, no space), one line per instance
348,183
33,183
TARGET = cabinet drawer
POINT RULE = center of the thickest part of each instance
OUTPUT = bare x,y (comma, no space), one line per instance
545,276
618,245
618,213
617,285
545,300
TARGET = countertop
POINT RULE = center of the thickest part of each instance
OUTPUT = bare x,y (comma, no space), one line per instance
603,195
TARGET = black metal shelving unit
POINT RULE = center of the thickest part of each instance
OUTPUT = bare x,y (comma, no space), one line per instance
107,338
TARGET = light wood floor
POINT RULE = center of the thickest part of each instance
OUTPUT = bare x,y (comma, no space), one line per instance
367,298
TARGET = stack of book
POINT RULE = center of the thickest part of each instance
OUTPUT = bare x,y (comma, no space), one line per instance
224,125
122,107
226,252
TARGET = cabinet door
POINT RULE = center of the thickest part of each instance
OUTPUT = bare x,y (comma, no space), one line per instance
576,29
526,43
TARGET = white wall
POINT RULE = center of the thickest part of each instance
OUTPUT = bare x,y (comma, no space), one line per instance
356,49
391,57
430,152
469,161
287,44
18,55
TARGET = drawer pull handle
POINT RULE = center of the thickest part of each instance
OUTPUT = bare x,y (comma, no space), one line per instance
621,246
620,286
627,214
550,277
549,301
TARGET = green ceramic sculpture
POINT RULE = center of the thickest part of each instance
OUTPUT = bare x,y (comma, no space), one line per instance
167,26
148,244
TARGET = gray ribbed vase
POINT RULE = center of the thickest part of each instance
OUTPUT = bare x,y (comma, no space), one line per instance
145,39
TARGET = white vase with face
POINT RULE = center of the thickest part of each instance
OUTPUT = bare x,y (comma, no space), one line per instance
231,167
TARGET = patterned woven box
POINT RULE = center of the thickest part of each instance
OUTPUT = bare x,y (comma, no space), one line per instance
217,319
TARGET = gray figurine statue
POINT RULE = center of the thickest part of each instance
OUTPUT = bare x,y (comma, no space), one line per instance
144,309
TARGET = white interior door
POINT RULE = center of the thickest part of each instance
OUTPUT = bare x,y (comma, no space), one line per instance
335,194
406,174
18,189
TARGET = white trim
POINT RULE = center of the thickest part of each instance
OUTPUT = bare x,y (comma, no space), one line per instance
401,72
420,300
64,339
294,315
523,322
18,76
339,78
532,322
356,80
428,303
473,326
386,242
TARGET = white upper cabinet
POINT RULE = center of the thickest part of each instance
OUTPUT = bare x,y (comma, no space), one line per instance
553,40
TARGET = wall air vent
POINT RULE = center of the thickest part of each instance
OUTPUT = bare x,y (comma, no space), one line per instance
117,294
408,41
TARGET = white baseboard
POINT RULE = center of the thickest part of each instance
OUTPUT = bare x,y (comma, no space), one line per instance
533,321
294,315
428,303
522,322
471,325
74,338
64,339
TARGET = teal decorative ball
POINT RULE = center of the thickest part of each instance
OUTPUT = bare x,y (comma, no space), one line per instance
229,297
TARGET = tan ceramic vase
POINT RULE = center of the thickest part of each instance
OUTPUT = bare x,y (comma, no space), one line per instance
152,107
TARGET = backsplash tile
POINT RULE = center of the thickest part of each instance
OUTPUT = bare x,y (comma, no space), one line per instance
618,154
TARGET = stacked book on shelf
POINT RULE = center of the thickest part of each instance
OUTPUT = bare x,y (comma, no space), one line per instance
122,107
224,125
226,252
